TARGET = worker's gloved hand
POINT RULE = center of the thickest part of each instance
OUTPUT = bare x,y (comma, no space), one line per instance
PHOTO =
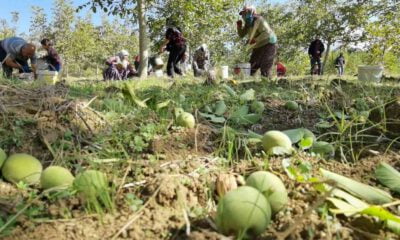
25,68
239,23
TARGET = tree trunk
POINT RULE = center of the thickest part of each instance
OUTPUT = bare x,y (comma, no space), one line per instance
328,50
143,46
66,70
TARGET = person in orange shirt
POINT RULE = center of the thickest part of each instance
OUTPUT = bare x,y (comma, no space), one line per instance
280,69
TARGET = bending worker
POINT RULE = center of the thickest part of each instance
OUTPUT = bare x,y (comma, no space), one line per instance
261,40
201,61
15,53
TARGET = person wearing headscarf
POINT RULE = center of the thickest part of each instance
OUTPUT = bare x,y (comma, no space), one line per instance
15,53
261,41
118,67
52,58
201,61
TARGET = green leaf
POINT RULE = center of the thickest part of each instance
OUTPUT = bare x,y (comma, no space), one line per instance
212,117
249,95
252,134
295,135
208,109
163,104
342,207
388,176
241,111
361,190
241,116
220,108
324,149
134,98
230,91
306,143
324,124
355,202
393,226
341,116
381,213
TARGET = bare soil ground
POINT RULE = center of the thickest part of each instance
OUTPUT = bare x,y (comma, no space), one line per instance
177,190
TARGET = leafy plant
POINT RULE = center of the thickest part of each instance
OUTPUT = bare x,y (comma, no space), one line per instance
388,176
366,192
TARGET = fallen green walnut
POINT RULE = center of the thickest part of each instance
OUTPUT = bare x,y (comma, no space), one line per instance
292,106
186,120
3,157
178,111
56,177
242,212
91,183
276,142
257,107
22,167
272,187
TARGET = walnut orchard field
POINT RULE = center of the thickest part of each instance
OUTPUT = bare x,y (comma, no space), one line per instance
164,181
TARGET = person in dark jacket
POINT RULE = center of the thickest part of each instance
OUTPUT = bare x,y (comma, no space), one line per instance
175,44
315,51
339,64
52,58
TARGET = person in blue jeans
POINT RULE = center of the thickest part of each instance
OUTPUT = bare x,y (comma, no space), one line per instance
52,58
15,53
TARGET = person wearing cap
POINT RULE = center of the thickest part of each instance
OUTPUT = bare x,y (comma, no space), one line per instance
118,67
201,61
15,53
52,58
315,51
261,40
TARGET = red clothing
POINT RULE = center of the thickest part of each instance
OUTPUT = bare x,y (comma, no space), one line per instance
280,69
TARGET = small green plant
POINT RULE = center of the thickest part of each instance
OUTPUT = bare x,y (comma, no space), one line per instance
133,201
233,145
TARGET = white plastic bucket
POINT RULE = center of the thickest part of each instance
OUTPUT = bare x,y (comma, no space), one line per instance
159,73
48,77
370,73
159,63
244,68
225,72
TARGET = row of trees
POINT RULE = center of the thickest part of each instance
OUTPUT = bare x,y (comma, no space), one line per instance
83,46
342,24
366,30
